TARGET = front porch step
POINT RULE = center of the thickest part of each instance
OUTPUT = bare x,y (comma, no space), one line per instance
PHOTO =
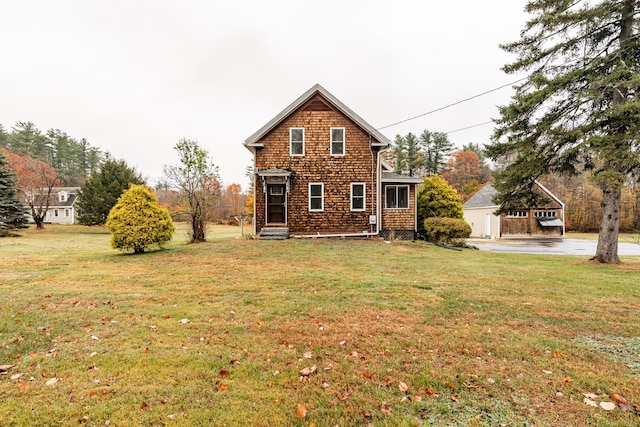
274,233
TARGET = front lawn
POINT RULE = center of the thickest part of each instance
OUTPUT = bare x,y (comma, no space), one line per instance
224,333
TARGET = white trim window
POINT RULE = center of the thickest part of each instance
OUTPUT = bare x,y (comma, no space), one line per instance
517,214
316,197
296,141
55,213
62,196
337,141
397,196
67,213
545,214
358,196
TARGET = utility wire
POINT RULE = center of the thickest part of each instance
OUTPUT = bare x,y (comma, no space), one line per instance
453,104
470,127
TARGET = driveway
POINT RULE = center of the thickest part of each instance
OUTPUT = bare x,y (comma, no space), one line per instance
560,246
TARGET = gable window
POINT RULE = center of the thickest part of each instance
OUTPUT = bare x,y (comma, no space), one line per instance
357,196
63,196
397,196
316,197
337,141
296,141
545,214
517,214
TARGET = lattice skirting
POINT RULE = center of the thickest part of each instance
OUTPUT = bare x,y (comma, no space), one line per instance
398,234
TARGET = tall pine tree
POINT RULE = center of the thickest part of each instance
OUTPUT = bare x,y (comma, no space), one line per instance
101,191
578,110
13,213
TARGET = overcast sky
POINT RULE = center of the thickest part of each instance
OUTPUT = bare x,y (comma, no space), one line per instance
134,77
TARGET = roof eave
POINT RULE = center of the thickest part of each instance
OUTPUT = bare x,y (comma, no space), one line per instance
383,141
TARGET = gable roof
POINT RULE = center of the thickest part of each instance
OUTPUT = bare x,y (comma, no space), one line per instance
252,141
482,198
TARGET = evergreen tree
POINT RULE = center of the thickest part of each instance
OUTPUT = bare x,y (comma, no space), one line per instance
437,148
578,111
399,151
436,198
13,213
101,191
137,221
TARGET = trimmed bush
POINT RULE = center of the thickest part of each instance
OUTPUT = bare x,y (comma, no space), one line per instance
446,230
137,222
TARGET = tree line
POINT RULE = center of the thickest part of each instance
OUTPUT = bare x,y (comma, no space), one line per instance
73,159
469,169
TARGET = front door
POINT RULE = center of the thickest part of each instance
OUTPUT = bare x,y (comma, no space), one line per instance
276,204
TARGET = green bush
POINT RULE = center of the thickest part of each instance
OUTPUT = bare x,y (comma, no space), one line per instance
436,198
446,230
137,222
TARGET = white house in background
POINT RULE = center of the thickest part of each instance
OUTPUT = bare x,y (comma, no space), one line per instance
62,206
538,222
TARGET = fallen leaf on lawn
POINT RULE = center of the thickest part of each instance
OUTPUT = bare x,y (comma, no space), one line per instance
590,395
302,410
617,398
93,354
345,395
305,372
627,408
261,322
454,397
15,377
590,402
95,338
451,386
276,372
547,372
234,362
5,368
403,387
566,380
417,397
32,353
223,387
429,392
223,373
93,394
367,375
184,321
342,342
144,405
52,381
386,409
23,384
557,354
308,355
608,406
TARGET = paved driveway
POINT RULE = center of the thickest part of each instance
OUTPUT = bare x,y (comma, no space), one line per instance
561,246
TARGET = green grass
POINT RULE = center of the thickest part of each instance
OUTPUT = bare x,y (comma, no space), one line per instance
622,238
478,329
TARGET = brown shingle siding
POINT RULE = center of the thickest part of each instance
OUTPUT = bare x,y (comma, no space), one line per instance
318,166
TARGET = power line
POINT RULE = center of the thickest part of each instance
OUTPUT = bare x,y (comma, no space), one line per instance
470,127
453,104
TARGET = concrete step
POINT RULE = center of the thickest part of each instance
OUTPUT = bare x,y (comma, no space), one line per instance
274,233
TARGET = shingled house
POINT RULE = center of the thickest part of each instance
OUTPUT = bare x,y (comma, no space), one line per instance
539,221
318,172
